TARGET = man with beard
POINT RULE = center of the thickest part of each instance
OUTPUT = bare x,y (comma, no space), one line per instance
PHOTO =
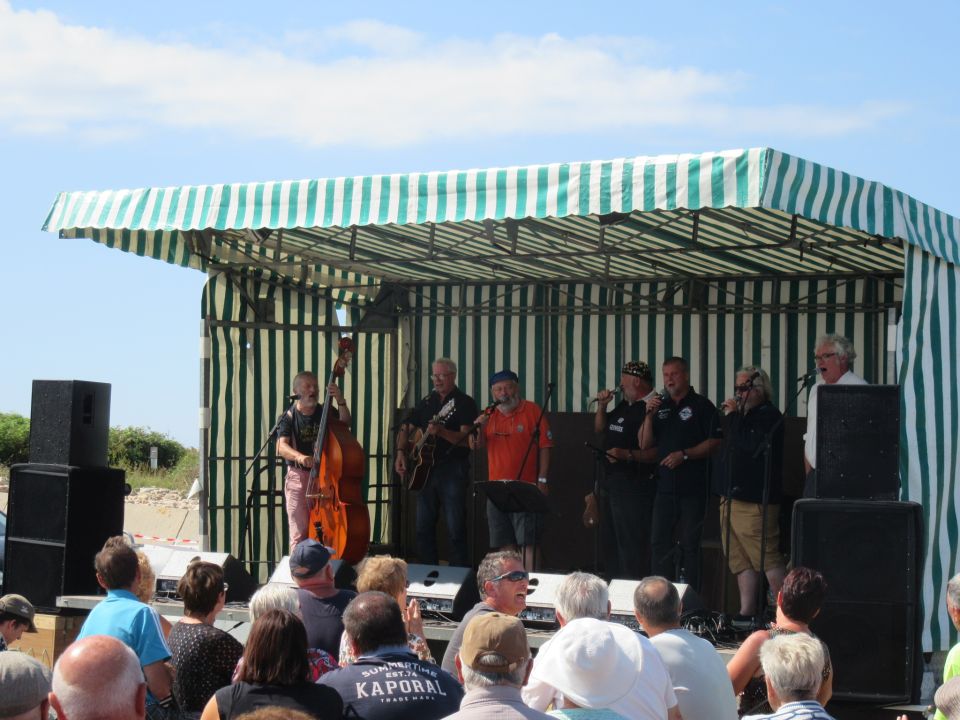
446,484
512,455
625,490
681,432
296,435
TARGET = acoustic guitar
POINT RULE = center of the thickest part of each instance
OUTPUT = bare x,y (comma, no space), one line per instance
420,459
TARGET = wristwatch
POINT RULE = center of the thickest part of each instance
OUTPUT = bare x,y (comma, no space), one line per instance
685,456
541,481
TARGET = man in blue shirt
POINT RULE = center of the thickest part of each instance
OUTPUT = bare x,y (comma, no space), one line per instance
132,622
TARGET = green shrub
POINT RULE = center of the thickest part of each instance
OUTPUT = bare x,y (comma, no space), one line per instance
130,448
14,439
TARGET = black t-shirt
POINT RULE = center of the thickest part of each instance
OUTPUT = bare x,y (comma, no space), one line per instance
680,426
301,429
204,658
464,413
323,618
623,426
316,700
743,434
395,686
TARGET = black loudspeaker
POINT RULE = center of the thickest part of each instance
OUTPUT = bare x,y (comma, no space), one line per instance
858,442
69,423
58,518
870,553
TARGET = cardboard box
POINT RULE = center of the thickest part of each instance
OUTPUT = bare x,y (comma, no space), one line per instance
54,634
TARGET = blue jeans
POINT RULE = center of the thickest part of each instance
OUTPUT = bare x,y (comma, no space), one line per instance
446,486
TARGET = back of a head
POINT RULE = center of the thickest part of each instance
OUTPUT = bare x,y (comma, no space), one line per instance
275,712
947,698
273,596
657,602
200,587
276,650
117,564
802,594
146,588
582,595
793,664
98,678
373,620
495,651
383,573
24,685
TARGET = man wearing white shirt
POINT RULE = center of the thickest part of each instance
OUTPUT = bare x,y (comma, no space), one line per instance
833,356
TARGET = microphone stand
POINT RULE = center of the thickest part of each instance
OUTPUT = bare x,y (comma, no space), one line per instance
766,447
599,457
535,443
732,423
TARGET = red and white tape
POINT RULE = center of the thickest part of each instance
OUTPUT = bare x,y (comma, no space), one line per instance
178,541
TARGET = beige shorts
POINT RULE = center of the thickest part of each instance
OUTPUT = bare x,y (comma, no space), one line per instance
745,528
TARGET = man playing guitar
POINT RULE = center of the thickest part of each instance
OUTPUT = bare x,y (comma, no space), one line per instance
446,484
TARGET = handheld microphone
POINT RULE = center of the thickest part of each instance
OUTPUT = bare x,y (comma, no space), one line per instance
663,394
295,396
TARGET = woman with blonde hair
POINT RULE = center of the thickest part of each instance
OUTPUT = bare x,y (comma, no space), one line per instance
147,587
388,574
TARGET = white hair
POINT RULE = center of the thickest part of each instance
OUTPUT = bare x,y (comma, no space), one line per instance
274,596
841,345
473,679
794,665
953,590
582,595
112,696
451,365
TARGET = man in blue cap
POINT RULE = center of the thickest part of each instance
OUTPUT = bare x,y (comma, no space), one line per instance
511,455
321,603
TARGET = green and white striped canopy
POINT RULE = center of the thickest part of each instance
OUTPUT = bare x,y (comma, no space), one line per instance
756,212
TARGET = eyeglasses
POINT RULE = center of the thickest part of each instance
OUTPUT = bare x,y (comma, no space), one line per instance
825,356
440,376
743,388
512,576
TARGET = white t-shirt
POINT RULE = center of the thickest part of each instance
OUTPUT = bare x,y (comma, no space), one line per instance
699,676
810,439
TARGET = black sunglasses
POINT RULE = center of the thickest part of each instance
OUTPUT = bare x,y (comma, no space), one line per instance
513,576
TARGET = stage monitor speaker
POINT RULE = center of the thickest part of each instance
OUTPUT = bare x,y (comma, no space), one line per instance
858,442
621,601
444,591
69,422
870,553
170,564
58,518
344,576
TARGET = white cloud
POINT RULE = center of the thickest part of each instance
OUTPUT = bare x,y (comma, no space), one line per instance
377,85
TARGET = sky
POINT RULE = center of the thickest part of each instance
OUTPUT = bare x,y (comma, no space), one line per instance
110,95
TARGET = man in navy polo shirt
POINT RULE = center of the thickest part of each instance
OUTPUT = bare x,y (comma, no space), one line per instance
680,432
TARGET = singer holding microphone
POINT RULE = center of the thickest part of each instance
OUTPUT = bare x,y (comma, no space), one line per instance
296,435
625,488
748,418
681,431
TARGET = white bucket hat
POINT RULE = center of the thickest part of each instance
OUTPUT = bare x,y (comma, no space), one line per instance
592,662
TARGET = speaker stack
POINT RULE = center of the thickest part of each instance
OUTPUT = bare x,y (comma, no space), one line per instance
867,545
66,502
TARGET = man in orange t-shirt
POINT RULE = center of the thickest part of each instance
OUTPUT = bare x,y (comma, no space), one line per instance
506,434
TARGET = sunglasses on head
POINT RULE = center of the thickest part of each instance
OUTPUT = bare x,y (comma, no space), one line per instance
513,576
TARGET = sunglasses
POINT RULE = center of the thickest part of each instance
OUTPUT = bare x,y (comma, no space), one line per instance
514,576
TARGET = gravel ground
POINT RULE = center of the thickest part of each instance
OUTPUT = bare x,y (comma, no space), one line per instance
161,497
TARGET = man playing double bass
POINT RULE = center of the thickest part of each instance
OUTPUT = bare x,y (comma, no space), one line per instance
296,435
446,484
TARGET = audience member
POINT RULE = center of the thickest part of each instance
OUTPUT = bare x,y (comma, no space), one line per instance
16,616
579,595
283,597
389,575
98,678
493,664
387,681
696,669
321,603
204,656
947,700
124,617
147,588
502,583
951,667
274,672
275,713
798,603
604,667
793,672
25,684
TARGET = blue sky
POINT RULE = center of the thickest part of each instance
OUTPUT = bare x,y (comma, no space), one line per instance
108,95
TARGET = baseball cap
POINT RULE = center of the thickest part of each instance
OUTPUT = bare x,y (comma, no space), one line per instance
21,607
504,375
494,633
25,682
308,558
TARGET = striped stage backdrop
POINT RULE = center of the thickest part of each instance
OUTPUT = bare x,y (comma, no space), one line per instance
582,353
251,373
930,428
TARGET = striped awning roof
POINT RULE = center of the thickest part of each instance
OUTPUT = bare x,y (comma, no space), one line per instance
756,212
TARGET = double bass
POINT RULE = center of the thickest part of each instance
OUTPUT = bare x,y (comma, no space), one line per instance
338,511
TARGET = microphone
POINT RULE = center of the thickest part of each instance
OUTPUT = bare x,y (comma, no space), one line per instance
663,394
295,396
809,375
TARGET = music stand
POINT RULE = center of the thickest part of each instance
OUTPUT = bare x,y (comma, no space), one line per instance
515,496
